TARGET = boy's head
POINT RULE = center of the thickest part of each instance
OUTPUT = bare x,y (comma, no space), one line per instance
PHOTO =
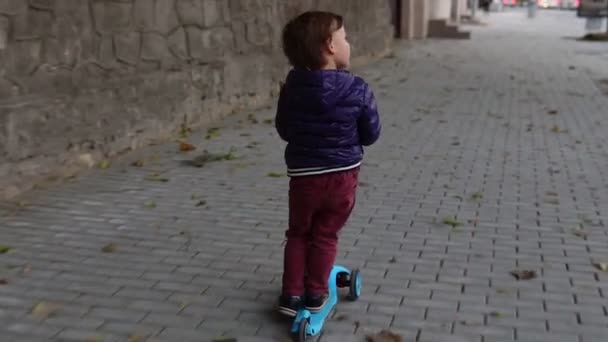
316,40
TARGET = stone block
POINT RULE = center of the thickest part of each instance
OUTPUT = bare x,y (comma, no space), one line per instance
165,16
106,51
258,32
12,7
211,12
177,44
42,4
127,47
25,56
4,23
143,14
190,12
111,16
196,49
154,46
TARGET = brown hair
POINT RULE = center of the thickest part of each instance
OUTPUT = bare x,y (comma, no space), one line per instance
305,35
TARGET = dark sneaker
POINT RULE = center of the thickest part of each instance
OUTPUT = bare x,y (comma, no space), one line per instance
316,303
289,306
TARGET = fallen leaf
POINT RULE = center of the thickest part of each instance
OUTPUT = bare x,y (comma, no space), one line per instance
195,196
27,269
393,260
155,177
252,119
340,317
45,309
94,339
138,163
451,221
384,336
213,132
136,338
578,231
269,121
110,248
3,281
104,165
495,314
553,201
4,249
23,204
523,274
552,112
275,175
150,204
477,196
186,147
503,291
556,129
184,131
201,203
224,339
602,266
206,157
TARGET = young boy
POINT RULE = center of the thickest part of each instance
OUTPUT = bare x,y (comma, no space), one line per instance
326,115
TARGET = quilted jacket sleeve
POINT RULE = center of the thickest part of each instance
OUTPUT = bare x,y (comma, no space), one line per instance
280,119
369,120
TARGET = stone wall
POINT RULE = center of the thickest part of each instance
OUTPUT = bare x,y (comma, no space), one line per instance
82,80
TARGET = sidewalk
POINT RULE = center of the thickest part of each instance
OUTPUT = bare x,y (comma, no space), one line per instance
493,159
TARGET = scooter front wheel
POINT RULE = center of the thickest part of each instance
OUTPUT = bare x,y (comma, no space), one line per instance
302,332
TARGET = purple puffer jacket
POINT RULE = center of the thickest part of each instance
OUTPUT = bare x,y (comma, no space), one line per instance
326,117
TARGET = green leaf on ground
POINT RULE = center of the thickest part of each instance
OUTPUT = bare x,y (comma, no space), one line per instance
150,204
224,339
269,121
105,164
252,119
451,221
45,309
495,314
109,248
23,204
155,177
213,132
477,196
4,249
275,175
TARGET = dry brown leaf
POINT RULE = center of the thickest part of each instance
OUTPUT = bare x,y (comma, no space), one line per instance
185,147
384,336
138,163
523,274
602,266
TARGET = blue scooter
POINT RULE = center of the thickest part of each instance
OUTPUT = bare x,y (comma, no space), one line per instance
308,324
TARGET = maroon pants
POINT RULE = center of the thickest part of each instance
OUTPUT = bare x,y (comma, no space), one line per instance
319,206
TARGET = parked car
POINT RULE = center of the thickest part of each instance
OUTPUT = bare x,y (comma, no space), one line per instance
562,4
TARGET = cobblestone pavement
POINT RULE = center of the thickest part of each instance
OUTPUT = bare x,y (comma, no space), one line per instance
493,159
